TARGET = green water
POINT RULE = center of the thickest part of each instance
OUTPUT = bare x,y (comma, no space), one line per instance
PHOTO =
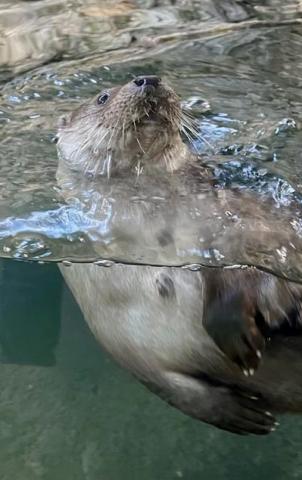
67,412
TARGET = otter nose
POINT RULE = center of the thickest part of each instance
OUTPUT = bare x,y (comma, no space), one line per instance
151,80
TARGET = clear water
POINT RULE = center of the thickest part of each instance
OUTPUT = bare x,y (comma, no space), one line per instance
67,411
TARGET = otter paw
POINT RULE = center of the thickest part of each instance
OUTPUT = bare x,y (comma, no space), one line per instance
230,407
245,413
231,323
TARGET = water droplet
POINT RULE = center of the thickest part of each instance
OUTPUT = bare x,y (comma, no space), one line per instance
217,254
66,263
231,267
282,253
285,125
104,263
194,267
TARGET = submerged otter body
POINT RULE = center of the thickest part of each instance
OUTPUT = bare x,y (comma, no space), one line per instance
222,346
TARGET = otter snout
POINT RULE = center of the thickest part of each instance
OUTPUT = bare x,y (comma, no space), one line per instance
147,82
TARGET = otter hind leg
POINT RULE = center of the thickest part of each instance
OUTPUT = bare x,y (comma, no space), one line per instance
227,407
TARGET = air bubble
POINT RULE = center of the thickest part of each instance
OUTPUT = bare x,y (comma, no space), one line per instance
194,267
104,263
66,263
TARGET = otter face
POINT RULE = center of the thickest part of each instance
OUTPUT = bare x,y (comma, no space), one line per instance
130,127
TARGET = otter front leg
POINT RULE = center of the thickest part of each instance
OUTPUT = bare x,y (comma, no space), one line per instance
230,408
231,322
230,316
245,307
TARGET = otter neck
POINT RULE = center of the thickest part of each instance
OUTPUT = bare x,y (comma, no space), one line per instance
139,155
165,154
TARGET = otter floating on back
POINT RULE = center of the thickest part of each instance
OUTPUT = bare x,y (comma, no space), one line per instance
223,346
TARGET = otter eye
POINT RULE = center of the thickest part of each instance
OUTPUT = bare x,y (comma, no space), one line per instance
103,98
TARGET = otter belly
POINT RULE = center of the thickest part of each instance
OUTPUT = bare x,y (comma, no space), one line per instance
150,320
144,316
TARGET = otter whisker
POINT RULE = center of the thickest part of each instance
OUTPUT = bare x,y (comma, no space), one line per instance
197,136
168,161
88,115
138,168
187,134
140,146
203,139
113,133
190,122
123,133
127,114
192,119
206,142
188,127
184,126
191,129
108,164
189,115
187,131
134,124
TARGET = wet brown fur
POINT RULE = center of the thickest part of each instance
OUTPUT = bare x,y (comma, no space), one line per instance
195,338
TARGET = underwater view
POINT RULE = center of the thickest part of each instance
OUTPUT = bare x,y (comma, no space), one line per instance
210,91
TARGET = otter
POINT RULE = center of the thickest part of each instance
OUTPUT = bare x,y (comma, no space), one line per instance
222,346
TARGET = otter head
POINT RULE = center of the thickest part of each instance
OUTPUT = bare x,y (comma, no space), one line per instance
135,126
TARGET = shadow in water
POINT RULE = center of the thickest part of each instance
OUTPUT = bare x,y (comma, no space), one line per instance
30,304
